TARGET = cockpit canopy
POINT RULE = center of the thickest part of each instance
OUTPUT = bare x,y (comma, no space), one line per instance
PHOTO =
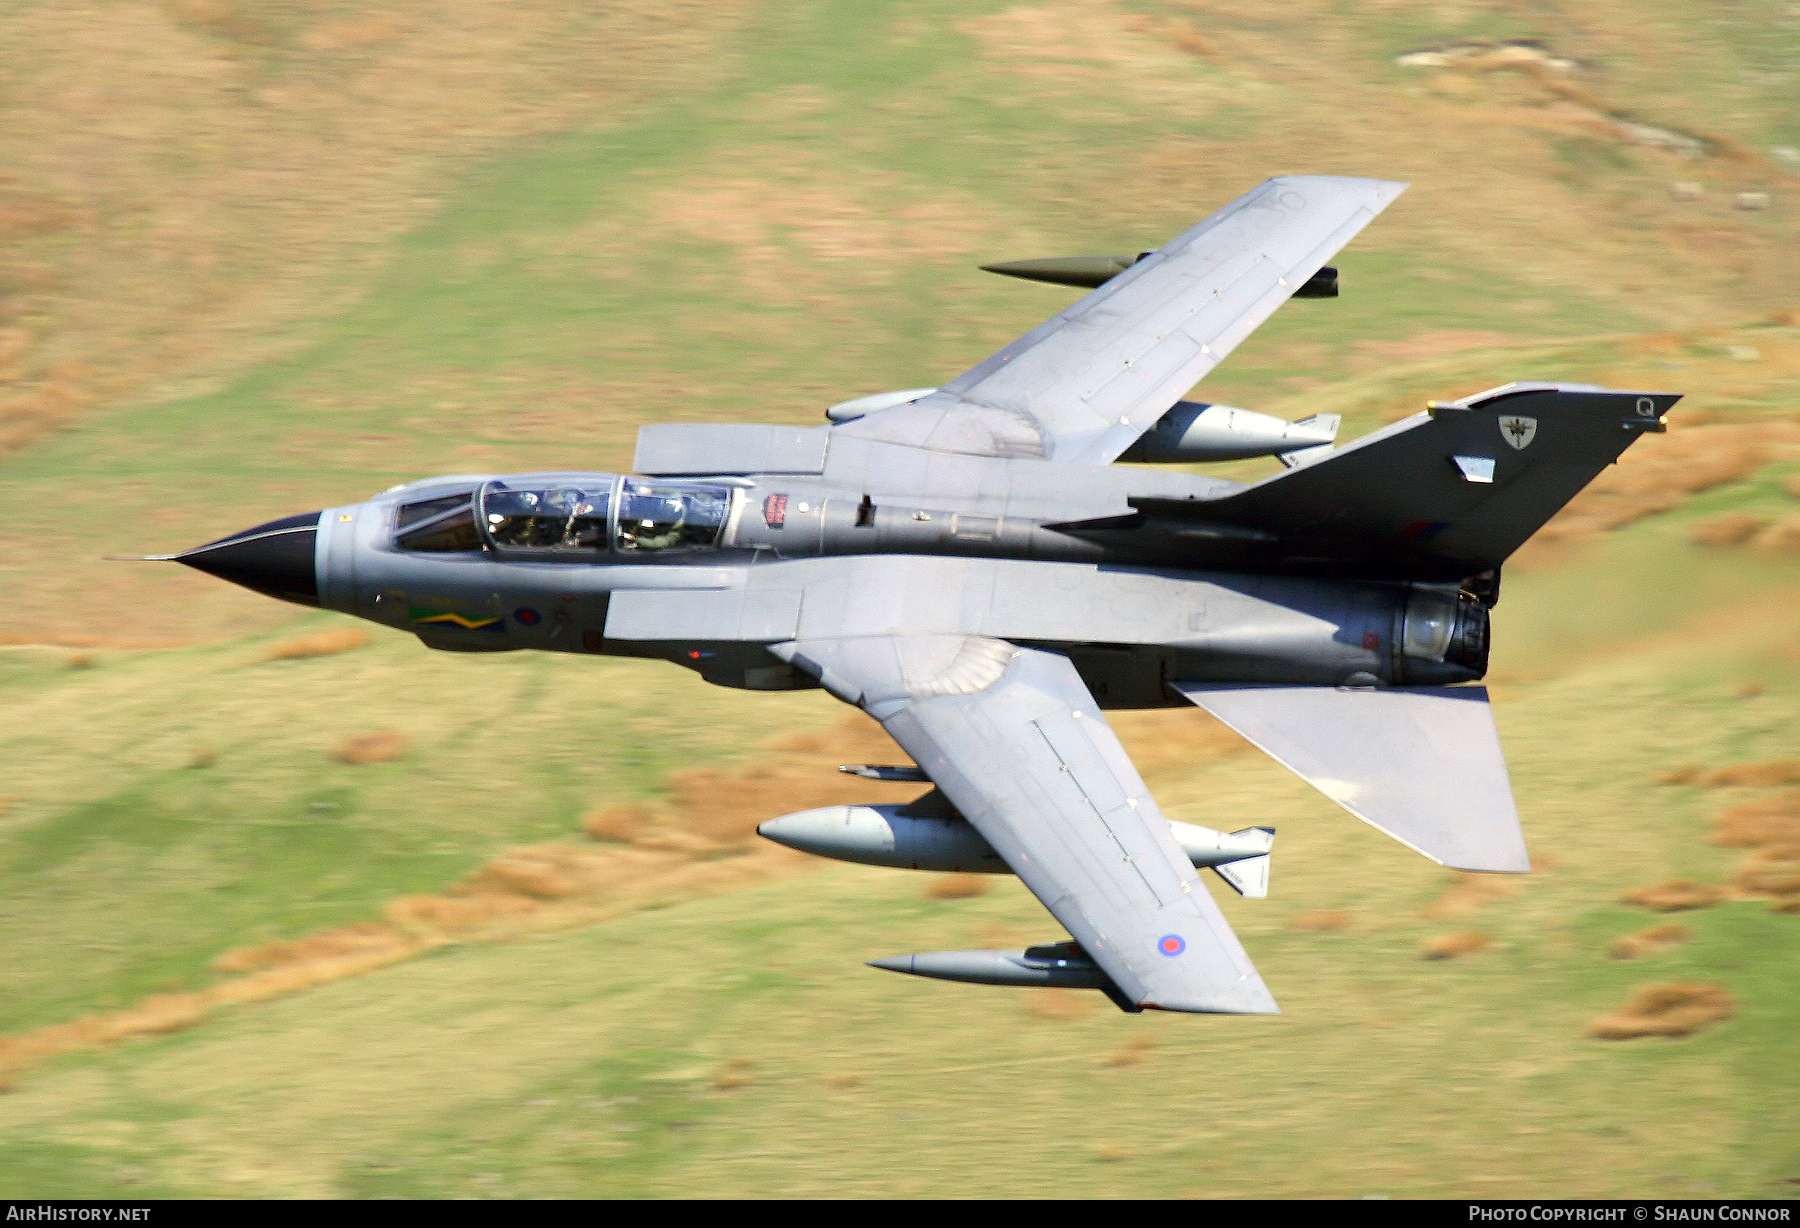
571,516
666,515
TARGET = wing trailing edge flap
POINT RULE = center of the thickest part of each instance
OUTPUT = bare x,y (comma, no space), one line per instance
1422,764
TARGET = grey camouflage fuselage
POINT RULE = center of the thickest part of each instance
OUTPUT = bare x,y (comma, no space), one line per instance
1055,555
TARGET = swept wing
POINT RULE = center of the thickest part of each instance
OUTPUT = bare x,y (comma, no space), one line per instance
1016,742
1084,385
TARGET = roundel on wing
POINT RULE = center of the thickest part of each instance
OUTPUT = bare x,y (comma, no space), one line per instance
1171,944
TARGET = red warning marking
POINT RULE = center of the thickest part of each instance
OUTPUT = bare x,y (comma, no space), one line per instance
1372,641
775,511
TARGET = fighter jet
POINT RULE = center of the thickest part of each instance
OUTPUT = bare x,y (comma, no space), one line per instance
967,565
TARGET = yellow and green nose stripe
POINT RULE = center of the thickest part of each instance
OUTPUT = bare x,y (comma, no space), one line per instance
423,617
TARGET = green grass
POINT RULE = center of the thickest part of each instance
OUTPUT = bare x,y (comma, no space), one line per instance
127,869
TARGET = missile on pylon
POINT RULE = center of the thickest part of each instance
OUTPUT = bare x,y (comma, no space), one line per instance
1091,272
1088,272
1059,965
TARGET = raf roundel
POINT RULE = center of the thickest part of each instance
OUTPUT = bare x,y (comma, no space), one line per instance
1171,945
526,616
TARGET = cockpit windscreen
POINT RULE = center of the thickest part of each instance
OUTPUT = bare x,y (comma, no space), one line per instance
444,525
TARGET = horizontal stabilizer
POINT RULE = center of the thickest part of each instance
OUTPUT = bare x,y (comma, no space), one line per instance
1423,764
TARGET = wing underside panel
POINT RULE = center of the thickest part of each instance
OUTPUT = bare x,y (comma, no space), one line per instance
1030,761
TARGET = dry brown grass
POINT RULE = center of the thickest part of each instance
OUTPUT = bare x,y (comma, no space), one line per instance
991,934
841,1080
163,1013
1468,893
1676,895
1062,1005
319,644
956,886
617,824
1660,472
725,805
733,1074
1062,42
321,135
1737,775
1679,1008
1321,921
1765,775
1131,1053
28,411
1725,529
1650,941
362,938
543,872
383,747
1758,823
1457,945
1782,537
1108,1153
685,844
1791,484
1173,741
847,232
455,916
1771,872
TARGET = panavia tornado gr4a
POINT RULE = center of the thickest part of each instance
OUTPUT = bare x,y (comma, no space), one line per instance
966,565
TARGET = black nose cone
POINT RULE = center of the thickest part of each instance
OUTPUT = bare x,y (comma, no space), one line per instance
276,559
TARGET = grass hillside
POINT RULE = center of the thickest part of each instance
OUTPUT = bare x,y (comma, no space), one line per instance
293,909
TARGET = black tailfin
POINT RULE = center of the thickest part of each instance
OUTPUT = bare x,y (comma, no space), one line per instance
1447,494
